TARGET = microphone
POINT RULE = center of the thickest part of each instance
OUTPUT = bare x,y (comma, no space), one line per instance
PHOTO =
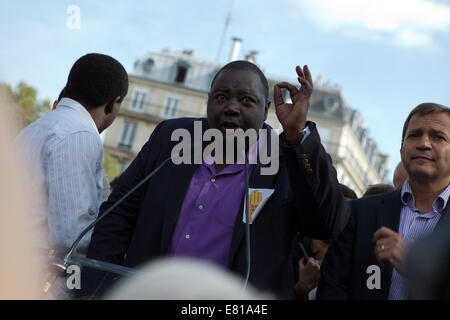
61,268
302,249
247,223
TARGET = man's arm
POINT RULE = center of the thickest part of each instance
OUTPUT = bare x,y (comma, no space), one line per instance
73,172
112,235
322,209
334,283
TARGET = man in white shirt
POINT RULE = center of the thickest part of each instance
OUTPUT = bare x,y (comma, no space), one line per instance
106,186
65,151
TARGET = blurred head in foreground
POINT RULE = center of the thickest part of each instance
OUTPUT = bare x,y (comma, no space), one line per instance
21,269
184,279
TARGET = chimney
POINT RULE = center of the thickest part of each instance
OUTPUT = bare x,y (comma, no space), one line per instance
319,81
251,57
235,49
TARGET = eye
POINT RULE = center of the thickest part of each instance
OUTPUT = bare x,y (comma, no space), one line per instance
248,99
439,137
220,97
413,135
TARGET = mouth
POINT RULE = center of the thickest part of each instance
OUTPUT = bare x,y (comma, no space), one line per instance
422,158
229,125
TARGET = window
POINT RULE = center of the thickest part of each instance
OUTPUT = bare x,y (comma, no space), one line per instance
138,100
325,137
122,166
128,134
148,65
330,103
181,71
205,111
363,137
171,108
181,74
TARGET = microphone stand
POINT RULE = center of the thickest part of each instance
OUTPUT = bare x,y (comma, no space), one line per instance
247,223
61,268
86,230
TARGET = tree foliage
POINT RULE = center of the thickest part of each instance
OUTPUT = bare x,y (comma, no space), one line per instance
26,98
110,166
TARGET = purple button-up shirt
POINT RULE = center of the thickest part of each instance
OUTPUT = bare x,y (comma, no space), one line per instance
210,208
209,211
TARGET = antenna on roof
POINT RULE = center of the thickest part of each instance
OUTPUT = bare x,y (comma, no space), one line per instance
227,22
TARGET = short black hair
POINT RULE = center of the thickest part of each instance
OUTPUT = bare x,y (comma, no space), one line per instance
245,65
347,192
378,188
96,79
424,109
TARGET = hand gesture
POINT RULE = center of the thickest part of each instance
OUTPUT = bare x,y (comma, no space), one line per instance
309,276
390,246
292,116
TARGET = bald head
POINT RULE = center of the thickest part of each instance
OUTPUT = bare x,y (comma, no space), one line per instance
400,175
248,66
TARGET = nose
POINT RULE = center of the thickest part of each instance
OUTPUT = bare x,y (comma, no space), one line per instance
424,142
232,108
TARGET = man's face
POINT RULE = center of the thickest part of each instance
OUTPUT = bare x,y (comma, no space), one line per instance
400,176
111,116
237,100
426,148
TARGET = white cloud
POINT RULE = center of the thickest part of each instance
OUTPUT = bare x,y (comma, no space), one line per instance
402,22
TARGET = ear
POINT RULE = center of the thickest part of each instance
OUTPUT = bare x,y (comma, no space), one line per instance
111,106
401,154
266,110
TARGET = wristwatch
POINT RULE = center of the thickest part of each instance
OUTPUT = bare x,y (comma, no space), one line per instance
303,131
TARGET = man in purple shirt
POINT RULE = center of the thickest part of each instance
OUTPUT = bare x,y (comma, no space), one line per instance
196,210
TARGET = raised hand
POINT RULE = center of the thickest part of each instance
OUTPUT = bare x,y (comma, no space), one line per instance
292,116
390,246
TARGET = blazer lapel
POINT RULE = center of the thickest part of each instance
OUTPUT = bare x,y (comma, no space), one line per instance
256,180
388,215
444,217
388,212
180,177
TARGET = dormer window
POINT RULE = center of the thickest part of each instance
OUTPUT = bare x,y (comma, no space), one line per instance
330,103
181,71
148,65
181,74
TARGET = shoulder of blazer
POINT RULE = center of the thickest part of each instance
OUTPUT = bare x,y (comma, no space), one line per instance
182,123
374,201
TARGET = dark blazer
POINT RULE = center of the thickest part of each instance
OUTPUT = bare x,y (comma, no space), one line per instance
343,274
307,198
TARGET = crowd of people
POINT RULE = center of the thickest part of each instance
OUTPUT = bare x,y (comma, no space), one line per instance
310,237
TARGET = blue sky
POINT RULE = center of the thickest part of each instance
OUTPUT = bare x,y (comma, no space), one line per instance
388,56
